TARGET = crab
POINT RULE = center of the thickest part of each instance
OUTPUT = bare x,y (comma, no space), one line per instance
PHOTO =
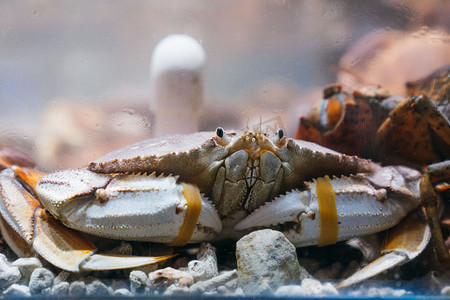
371,123
204,186
414,131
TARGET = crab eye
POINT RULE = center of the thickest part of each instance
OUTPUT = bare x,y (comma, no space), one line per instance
219,132
280,133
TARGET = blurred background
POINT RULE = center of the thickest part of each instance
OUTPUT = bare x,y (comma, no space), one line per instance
74,75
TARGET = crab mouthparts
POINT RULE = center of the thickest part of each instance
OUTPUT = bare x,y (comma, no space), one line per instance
254,144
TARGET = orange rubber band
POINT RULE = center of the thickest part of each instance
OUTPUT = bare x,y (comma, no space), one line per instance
194,207
327,212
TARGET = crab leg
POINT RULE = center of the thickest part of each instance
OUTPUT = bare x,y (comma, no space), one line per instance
435,118
430,202
405,242
404,116
17,207
66,249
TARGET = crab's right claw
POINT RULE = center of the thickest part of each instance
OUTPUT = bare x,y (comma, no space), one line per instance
137,207
26,228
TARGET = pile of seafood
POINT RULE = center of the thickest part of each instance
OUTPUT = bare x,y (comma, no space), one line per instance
306,218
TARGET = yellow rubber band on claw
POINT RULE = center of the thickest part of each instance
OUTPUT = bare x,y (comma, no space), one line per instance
327,212
194,207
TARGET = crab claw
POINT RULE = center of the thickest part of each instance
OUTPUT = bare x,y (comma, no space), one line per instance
137,207
330,210
28,229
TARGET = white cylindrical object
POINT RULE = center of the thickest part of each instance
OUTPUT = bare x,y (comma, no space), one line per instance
177,85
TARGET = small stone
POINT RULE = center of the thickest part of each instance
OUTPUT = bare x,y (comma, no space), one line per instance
232,284
26,266
308,287
211,284
161,279
262,287
313,287
8,274
210,293
138,281
446,291
174,290
267,257
239,292
40,279
289,291
61,289
205,267
122,293
387,291
223,290
77,289
97,288
47,291
198,288
17,290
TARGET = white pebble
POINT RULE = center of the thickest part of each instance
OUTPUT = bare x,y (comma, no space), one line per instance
17,290
162,279
26,266
223,290
77,289
138,281
313,287
238,292
208,285
289,291
386,291
97,288
47,291
174,290
40,279
61,289
205,267
446,291
308,287
123,293
8,273
266,259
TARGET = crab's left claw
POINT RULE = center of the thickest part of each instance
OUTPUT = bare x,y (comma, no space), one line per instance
329,210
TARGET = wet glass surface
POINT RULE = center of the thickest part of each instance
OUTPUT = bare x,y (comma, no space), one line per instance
76,79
